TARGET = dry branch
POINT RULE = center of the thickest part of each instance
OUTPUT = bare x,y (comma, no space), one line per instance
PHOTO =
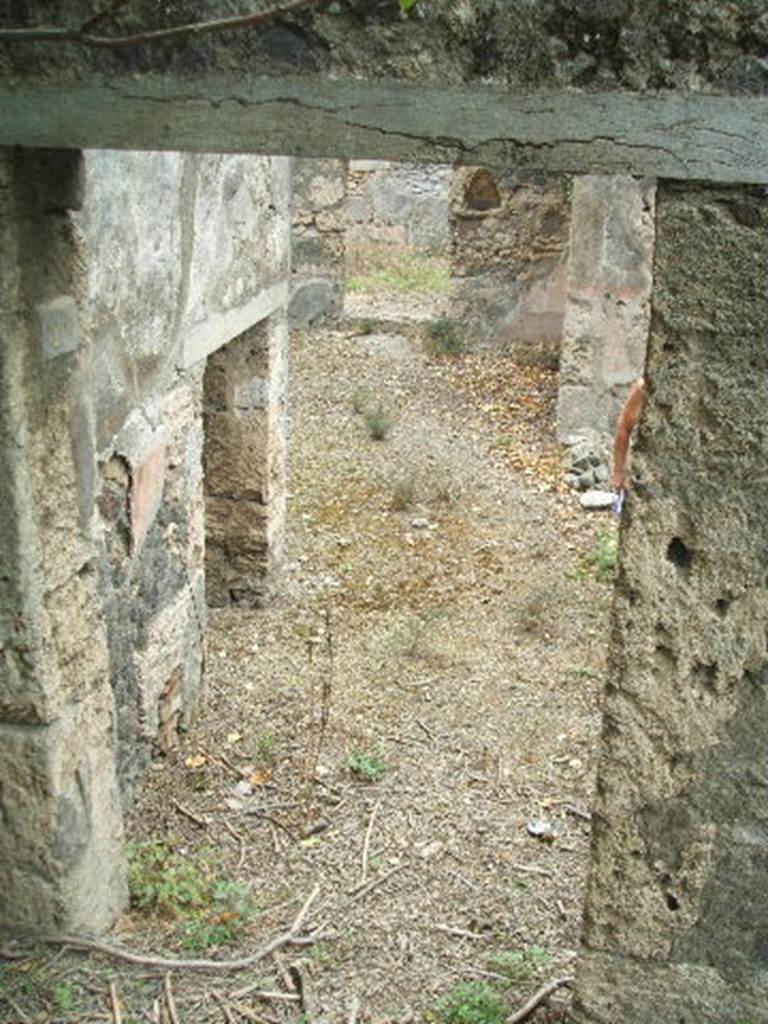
537,999
114,1004
185,811
367,843
363,889
291,937
84,38
169,1000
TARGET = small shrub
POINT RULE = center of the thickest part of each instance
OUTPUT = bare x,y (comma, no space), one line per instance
264,750
230,907
379,420
403,494
165,883
64,997
605,555
361,400
444,338
471,1002
207,910
367,767
519,965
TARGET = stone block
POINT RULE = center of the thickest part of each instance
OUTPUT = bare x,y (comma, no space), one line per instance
160,665
313,300
575,408
61,841
235,523
57,326
236,456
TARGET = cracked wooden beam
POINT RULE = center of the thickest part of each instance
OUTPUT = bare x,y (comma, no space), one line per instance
695,136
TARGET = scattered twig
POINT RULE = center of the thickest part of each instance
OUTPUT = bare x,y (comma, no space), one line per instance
288,938
577,812
537,999
425,729
367,843
246,1012
224,760
354,1010
461,933
169,1000
274,821
16,1008
532,869
114,1004
185,811
471,969
77,35
224,1007
363,890
302,983
282,970
240,840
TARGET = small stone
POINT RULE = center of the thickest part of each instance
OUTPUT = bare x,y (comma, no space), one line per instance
542,829
243,788
420,523
597,500
429,850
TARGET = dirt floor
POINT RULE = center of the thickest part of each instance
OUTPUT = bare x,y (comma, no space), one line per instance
405,737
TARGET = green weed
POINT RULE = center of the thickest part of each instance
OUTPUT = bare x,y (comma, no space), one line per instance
603,558
585,672
406,272
361,400
379,420
367,767
519,965
471,1002
64,997
444,338
403,494
264,750
207,910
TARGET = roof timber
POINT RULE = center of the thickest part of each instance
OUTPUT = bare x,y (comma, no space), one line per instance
691,136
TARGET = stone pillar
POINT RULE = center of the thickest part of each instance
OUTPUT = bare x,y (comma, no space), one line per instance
60,818
676,918
318,262
244,459
605,328
509,237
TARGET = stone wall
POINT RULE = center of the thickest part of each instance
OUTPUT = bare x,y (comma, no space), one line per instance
607,307
61,836
318,240
183,252
398,204
509,250
675,920
125,274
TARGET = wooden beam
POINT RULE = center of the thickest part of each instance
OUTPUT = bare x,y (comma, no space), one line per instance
692,136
